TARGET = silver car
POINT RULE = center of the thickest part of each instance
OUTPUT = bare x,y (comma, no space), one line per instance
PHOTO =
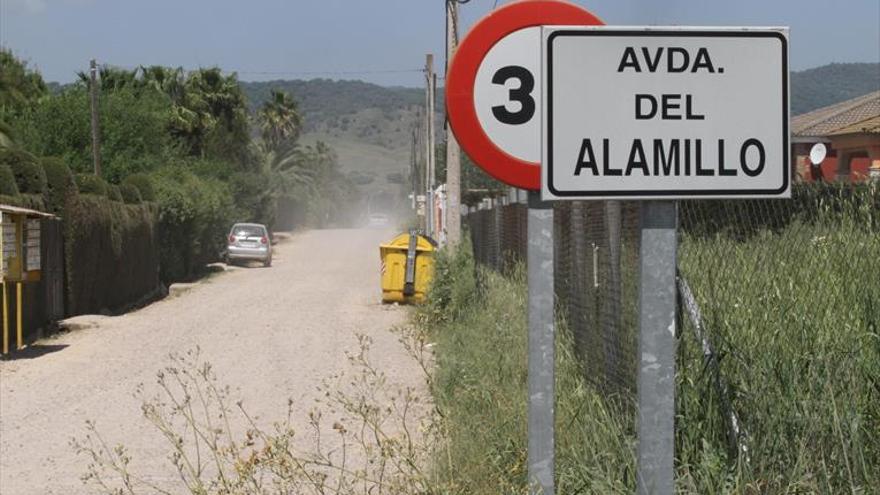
249,241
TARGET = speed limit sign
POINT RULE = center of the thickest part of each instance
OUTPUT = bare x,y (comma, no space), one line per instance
493,89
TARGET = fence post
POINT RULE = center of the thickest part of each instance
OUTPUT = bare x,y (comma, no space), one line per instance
542,333
656,379
613,295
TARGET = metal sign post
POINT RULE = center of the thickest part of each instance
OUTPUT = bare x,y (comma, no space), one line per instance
494,98
656,375
656,114
542,351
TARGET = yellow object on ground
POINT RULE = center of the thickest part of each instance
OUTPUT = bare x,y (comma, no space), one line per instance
407,268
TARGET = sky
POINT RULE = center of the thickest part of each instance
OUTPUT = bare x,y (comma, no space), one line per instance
380,41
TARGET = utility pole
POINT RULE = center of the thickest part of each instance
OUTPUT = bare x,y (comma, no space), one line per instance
453,152
414,167
429,143
96,136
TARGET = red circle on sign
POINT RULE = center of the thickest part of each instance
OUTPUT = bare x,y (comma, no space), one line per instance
463,74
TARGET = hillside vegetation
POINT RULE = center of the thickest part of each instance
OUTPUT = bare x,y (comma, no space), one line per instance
370,126
830,84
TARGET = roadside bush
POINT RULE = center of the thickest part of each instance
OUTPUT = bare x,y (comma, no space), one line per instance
8,186
29,174
144,185
114,193
91,184
61,184
29,201
194,216
112,254
134,130
130,193
253,200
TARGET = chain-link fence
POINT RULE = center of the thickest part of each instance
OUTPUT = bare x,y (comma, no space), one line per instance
779,353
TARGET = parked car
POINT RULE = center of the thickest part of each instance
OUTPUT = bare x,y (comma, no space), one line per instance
249,241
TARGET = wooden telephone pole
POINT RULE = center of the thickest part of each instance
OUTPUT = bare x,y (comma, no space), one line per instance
96,136
453,152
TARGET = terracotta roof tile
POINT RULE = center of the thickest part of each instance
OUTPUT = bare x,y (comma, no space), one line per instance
835,118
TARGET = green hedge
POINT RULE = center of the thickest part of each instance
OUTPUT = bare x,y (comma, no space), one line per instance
30,201
114,193
29,174
194,215
144,185
112,254
61,185
130,194
91,184
8,187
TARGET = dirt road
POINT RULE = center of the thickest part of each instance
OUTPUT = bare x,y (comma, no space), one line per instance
271,334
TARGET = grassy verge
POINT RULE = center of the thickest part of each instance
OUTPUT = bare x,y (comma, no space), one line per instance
794,315
477,320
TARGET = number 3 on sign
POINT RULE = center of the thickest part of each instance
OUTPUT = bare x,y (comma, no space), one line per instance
505,94
493,88
521,95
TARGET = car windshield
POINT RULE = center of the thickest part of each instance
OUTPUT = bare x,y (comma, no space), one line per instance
248,231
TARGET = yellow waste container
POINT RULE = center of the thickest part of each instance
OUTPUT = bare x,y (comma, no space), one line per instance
407,268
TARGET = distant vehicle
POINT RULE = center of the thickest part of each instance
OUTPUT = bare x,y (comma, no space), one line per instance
249,241
378,220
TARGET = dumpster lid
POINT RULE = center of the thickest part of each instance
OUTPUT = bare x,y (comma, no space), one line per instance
425,243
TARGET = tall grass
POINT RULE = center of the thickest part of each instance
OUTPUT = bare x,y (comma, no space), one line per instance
794,314
480,389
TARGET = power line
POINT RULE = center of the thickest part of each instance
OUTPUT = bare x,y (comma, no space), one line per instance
282,72
328,72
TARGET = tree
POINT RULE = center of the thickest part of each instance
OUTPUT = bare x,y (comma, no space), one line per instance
279,120
19,86
211,117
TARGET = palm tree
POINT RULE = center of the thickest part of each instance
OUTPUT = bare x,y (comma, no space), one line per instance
167,80
279,120
289,167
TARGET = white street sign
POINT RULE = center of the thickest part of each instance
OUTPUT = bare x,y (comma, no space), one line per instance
664,113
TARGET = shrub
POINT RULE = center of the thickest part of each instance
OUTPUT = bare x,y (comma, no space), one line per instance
144,185
28,172
130,193
91,184
111,253
61,184
7,181
114,193
194,216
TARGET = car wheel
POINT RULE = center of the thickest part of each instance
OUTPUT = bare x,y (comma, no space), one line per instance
267,262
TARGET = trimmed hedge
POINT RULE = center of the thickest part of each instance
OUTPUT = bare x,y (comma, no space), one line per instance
29,201
61,185
130,194
144,184
29,174
91,184
112,254
8,187
114,193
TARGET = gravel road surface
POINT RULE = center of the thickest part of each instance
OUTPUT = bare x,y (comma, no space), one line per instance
270,333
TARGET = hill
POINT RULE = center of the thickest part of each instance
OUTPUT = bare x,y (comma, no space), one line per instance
830,84
370,126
